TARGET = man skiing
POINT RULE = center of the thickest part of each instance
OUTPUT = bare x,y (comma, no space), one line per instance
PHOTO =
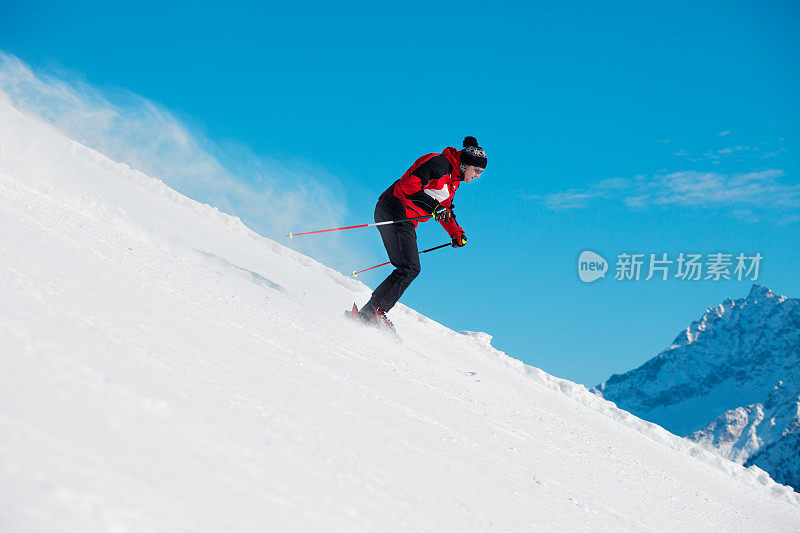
426,189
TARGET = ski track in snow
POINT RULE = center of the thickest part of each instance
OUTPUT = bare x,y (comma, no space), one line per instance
166,369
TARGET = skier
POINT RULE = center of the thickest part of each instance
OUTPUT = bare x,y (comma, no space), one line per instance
426,189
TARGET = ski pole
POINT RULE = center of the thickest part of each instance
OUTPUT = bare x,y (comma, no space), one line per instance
293,235
357,272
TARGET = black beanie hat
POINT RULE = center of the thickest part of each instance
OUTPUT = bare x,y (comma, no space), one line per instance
472,154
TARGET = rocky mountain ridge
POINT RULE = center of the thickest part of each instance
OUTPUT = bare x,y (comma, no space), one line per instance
730,382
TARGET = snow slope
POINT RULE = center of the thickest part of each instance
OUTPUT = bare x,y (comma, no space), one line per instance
167,369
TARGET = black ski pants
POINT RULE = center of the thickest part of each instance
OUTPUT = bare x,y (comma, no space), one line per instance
400,241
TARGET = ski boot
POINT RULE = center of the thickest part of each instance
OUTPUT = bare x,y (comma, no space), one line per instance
372,316
379,317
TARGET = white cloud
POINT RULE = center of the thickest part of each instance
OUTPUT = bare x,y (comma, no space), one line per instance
724,133
738,153
758,189
269,195
774,153
745,215
745,194
575,198
570,199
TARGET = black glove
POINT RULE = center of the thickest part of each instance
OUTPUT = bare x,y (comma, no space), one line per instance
442,213
459,239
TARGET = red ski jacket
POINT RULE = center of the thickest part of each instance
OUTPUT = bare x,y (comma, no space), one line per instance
431,181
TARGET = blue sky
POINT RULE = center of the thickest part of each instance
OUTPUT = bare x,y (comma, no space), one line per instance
615,127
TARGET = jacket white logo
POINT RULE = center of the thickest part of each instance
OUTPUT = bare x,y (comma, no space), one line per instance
440,195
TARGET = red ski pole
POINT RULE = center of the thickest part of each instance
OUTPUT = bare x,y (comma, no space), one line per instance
357,272
293,235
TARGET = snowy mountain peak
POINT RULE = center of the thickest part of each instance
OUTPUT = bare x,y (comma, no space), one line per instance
747,346
730,380
760,293
759,303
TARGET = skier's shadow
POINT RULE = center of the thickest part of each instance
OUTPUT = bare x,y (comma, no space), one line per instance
255,277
